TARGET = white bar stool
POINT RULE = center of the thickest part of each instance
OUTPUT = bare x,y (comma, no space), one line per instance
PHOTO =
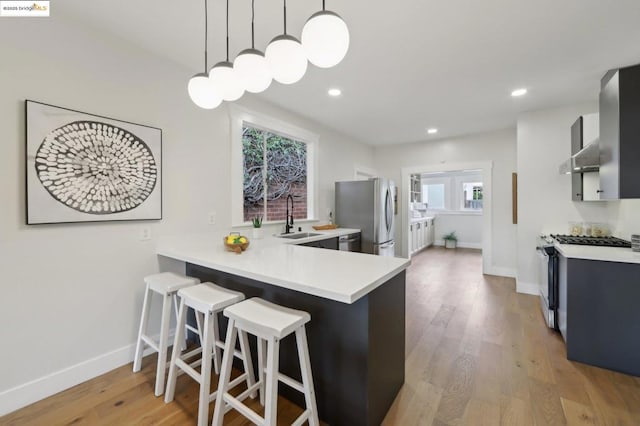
207,300
166,284
270,323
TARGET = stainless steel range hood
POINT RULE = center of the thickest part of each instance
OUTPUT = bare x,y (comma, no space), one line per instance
585,160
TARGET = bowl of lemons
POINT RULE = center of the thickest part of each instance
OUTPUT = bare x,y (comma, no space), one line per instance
236,242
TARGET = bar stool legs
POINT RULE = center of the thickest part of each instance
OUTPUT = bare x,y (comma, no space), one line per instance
165,284
269,323
144,319
208,300
307,378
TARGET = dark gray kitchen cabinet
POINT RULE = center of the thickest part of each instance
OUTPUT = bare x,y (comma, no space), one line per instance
620,134
598,313
329,243
576,145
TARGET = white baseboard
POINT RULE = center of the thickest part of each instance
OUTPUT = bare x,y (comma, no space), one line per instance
527,288
501,271
461,244
43,387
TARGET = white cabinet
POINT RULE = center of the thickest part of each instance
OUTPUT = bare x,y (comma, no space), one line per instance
412,240
425,234
421,234
591,186
431,234
416,189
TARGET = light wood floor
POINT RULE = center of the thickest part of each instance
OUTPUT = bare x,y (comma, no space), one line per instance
478,353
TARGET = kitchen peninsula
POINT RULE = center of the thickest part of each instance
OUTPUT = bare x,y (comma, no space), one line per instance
357,306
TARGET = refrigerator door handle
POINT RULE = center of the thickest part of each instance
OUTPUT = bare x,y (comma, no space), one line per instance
389,211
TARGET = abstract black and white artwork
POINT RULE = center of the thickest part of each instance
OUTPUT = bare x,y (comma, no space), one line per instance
86,168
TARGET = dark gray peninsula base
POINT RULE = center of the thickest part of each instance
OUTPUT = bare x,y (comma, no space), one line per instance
599,313
357,350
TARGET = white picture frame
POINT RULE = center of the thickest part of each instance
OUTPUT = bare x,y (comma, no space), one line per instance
82,167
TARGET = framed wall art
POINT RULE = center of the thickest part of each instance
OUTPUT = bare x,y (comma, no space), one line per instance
87,168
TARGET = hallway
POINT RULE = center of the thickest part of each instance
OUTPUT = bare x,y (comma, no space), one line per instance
478,353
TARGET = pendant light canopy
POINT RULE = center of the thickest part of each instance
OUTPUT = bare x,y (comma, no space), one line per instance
251,65
224,78
286,57
325,38
201,90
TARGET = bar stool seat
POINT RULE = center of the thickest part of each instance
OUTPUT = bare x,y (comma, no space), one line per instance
269,323
165,284
208,300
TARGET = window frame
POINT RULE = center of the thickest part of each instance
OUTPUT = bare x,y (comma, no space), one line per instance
461,200
453,192
239,116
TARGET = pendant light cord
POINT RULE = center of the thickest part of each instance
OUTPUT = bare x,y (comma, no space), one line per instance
253,13
206,36
227,30
322,4
285,17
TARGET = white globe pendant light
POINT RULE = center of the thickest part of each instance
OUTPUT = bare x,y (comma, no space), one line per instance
200,88
251,65
202,92
325,38
224,78
226,81
286,57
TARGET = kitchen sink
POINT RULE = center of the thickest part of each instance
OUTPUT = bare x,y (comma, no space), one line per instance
298,235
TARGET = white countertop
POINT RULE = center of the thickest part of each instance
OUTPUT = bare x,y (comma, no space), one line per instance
605,254
421,219
337,275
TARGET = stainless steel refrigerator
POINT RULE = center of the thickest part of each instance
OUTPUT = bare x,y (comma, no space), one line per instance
369,206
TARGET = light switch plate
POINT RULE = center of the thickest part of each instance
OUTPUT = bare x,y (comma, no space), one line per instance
145,233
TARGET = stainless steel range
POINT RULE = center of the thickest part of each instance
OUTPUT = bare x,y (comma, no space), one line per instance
592,241
548,280
548,268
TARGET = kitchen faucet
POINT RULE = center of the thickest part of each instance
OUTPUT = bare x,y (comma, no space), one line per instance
289,217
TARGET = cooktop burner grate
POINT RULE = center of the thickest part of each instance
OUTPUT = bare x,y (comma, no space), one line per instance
592,241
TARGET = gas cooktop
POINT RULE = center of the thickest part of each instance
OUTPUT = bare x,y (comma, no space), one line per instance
592,241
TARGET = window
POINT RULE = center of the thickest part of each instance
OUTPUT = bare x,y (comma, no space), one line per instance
455,191
270,159
472,195
274,167
433,195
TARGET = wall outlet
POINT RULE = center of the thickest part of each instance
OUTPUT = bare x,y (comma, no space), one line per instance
212,218
145,233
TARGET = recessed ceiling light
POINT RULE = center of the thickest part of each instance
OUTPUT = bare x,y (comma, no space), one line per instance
334,92
432,131
519,92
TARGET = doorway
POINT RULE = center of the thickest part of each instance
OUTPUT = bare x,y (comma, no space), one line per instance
458,189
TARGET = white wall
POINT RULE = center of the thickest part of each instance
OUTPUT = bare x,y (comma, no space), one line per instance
544,196
71,294
624,215
498,147
468,227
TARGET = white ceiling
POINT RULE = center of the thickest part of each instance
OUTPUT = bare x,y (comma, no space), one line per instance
412,64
